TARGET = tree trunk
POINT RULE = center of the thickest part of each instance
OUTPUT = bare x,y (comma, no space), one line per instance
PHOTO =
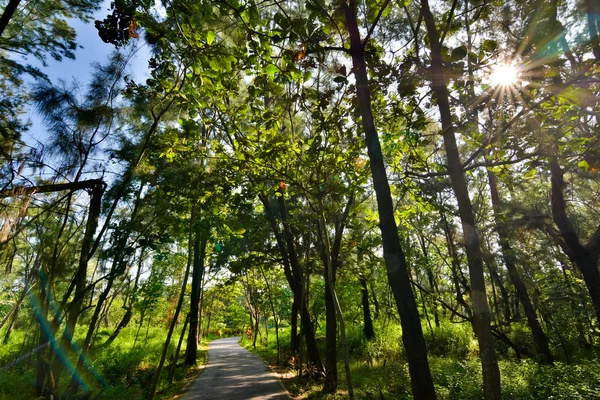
272,304
412,332
80,285
539,337
481,312
176,356
330,269
7,15
191,351
331,376
177,309
364,291
584,256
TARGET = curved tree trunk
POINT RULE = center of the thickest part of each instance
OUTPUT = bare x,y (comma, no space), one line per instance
584,256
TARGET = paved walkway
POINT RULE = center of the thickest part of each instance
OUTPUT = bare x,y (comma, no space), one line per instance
234,373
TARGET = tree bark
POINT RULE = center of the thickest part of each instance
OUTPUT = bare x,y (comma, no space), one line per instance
331,264
364,291
177,309
80,282
584,256
57,187
191,351
176,356
272,304
330,258
294,276
481,312
539,337
7,15
397,271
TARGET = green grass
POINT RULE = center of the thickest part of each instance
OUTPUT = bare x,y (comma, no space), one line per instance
126,370
381,365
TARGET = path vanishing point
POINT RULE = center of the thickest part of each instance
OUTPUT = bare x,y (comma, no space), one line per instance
234,373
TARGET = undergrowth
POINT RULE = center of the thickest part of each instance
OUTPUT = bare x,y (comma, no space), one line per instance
123,370
379,367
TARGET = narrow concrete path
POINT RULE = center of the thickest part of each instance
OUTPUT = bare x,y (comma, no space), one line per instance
234,373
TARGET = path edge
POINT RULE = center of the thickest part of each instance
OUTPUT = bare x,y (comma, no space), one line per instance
188,385
287,393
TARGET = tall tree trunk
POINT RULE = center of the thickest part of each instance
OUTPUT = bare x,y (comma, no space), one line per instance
364,291
331,377
80,284
539,337
412,332
176,356
481,311
191,351
7,15
584,256
272,304
330,283
430,279
163,356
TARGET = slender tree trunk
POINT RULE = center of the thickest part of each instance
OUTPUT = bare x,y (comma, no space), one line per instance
364,291
176,357
293,274
191,351
539,337
430,279
163,356
495,277
200,314
14,313
80,284
331,376
8,13
412,332
298,286
272,304
330,282
481,311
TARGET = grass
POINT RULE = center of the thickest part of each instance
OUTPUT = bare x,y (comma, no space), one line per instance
126,370
379,368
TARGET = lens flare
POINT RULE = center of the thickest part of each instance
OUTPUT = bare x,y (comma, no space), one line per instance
504,75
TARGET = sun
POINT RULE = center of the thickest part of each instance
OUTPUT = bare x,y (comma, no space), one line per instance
504,75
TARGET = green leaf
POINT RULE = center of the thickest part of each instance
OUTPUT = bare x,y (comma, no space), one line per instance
489,45
583,165
458,53
210,37
530,173
271,69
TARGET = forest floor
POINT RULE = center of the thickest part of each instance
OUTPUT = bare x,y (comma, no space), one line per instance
379,370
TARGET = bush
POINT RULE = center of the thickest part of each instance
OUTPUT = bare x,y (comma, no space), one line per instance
455,340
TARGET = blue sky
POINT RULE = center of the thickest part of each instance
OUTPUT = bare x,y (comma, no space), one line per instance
92,49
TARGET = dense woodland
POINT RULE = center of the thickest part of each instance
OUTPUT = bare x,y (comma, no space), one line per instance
385,199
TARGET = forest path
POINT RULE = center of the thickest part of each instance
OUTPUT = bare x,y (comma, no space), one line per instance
234,373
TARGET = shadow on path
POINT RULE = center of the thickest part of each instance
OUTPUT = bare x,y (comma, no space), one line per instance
234,373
